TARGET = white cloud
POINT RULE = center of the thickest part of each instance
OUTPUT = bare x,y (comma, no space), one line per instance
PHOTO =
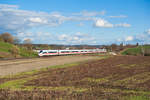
129,38
143,38
120,16
13,19
16,20
63,37
79,34
37,20
122,25
148,31
37,37
88,13
103,23
3,6
77,38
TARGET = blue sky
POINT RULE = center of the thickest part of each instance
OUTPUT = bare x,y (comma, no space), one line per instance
77,21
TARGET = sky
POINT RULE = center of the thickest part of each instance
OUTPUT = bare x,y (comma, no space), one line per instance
77,22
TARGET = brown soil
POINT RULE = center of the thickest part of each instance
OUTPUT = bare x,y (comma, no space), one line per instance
116,68
21,65
107,79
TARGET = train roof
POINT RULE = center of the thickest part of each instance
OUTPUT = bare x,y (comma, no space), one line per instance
72,50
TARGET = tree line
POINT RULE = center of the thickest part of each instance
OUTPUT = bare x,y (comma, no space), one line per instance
8,38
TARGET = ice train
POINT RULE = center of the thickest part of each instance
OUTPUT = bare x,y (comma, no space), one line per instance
70,52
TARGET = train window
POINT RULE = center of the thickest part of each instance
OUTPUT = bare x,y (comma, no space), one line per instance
64,51
52,52
44,52
75,51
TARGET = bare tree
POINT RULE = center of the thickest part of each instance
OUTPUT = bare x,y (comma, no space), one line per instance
137,44
113,47
16,40
1,39
7,37
28,43
121,46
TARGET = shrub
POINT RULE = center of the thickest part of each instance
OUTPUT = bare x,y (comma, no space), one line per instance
15,51
1,39
147,52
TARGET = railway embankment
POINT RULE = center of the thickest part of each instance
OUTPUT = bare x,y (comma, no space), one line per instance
11,51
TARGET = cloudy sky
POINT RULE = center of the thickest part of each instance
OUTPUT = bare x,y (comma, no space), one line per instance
77,21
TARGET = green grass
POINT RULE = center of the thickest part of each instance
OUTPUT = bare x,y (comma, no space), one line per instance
136,98
19,85
27,53
100,80
5,51
14,84
5,47
127,66
135,51
60,88
21,74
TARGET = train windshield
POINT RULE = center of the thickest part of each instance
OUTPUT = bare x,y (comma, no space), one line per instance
41,51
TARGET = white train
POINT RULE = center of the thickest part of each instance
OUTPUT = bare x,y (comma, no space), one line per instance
67,52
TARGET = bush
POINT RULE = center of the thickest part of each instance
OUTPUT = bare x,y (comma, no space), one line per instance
27,53
147,52
15,51
1,39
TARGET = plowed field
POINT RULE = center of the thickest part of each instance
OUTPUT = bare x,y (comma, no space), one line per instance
114,78
8,67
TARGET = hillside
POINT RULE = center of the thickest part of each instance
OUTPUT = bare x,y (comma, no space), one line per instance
11,51
140,50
